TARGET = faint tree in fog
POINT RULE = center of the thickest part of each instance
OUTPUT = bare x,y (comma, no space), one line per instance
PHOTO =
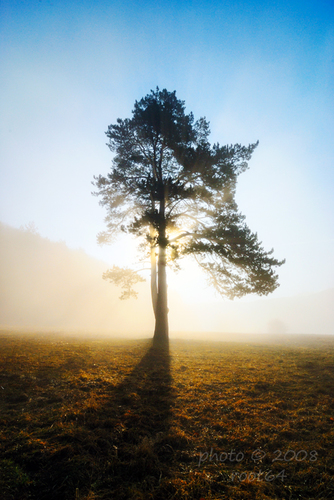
169,186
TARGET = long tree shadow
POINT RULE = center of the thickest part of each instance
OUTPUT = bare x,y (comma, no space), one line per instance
113,442
141,407
145,396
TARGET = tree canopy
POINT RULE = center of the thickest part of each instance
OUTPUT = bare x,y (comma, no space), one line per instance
169,186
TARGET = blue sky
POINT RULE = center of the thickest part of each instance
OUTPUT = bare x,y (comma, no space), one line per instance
257,71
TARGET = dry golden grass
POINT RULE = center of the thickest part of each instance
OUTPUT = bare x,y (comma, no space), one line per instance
106,419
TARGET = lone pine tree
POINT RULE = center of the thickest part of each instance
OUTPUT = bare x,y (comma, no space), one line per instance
176,192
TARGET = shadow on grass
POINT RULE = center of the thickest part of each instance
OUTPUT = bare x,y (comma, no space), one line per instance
112,441
140,408
144,398
142,404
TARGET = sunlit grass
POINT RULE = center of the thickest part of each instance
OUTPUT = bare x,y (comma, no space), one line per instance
101,419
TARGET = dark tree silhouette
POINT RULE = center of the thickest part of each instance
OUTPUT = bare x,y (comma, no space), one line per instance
170,187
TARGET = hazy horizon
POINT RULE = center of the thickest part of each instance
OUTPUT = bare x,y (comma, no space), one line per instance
47,286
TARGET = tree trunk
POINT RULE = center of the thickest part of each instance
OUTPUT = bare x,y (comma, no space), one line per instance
161,313
154,290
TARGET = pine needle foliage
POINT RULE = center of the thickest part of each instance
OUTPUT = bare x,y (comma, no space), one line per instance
171,187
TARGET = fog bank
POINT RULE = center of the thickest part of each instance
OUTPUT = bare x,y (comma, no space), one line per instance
46,285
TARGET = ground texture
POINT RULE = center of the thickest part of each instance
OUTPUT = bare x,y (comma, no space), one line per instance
125,420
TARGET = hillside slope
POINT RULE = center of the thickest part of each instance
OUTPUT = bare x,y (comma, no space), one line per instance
45,284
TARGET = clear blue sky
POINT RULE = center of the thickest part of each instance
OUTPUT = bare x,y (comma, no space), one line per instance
258,70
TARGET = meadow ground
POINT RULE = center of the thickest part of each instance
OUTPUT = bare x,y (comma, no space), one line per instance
124,420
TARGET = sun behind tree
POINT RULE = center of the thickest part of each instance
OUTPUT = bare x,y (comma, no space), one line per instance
176,192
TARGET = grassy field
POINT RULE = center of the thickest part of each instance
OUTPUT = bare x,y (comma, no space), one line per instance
122,419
